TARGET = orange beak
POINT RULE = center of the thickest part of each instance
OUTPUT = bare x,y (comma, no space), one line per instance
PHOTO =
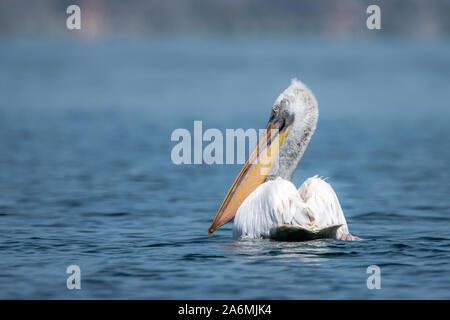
252,174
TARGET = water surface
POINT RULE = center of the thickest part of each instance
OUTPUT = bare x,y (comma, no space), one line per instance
86,176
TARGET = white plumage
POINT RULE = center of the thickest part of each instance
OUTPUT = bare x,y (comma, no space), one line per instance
313,206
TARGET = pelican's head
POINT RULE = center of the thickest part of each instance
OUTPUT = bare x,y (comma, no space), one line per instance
292,121
296,103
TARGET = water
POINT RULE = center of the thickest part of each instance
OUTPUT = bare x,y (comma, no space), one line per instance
86,176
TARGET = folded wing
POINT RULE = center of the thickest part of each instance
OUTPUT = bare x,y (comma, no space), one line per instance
323,205
276,209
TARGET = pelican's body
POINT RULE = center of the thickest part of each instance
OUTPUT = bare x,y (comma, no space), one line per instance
266,204
275,203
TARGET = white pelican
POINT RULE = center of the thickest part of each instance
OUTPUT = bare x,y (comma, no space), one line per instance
265,203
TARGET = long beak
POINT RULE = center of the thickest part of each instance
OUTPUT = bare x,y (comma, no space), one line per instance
252,174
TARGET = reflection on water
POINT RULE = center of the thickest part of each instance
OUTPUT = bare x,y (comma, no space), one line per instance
86,176
310,252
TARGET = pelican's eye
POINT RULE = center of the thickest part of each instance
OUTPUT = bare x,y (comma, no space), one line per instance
275,109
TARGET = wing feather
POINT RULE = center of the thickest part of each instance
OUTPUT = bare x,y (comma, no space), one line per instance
273,203
314,206
323,205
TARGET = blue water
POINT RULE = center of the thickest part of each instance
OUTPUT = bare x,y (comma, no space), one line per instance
86,176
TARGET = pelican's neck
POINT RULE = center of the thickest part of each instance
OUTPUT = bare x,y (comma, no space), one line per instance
294,146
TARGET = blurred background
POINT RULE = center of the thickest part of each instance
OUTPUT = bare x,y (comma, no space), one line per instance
333,18
86,117
148,50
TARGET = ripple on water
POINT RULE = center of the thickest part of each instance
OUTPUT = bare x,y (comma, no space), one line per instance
94,185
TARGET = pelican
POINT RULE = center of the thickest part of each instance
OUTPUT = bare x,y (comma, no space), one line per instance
263,201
